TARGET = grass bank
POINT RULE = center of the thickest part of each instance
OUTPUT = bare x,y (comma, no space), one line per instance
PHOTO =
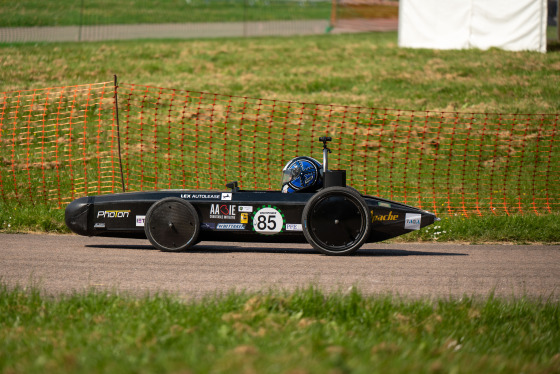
362,69
274,332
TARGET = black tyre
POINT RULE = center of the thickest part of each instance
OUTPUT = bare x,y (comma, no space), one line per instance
336,221
172,225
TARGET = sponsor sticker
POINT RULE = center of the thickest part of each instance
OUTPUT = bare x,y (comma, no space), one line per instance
113,213
99,225
200,196
226,195
244,218
294,227
246,209
268,220
208,225
140,221
384,204
384,217
412,221
222,211
230,226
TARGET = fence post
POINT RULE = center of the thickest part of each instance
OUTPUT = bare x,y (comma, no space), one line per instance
333,15
118,132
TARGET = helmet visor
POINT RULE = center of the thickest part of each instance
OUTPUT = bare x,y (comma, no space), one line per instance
289,175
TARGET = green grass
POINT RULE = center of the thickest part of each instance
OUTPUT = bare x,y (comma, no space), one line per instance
99,12
518,229
362,69
18,218
305,331
552,33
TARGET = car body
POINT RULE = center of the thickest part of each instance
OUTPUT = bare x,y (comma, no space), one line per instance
334,220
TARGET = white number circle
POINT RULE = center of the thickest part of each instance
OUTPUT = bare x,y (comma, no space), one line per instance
268,221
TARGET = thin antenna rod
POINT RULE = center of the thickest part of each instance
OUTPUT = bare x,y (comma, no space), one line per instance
326,152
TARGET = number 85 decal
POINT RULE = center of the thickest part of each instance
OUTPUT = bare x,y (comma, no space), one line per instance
268,220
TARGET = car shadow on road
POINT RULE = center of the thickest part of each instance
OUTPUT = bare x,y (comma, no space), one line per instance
403,252
217,249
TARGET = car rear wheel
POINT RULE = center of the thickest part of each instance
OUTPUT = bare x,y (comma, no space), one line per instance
172,225
336,221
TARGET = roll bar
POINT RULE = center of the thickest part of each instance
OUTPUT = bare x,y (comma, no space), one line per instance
326,152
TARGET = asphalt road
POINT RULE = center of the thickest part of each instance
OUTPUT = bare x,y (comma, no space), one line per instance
68,263
190,30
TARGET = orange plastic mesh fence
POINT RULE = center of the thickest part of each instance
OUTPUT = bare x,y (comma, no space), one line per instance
57,143
448,162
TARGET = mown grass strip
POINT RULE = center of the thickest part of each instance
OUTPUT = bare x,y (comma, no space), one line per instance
275,332
102,12
515,228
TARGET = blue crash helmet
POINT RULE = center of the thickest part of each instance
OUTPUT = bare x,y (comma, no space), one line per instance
302,174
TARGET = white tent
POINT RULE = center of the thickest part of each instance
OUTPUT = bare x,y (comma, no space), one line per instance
514,25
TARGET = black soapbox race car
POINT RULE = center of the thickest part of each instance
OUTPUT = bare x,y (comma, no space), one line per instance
314,205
